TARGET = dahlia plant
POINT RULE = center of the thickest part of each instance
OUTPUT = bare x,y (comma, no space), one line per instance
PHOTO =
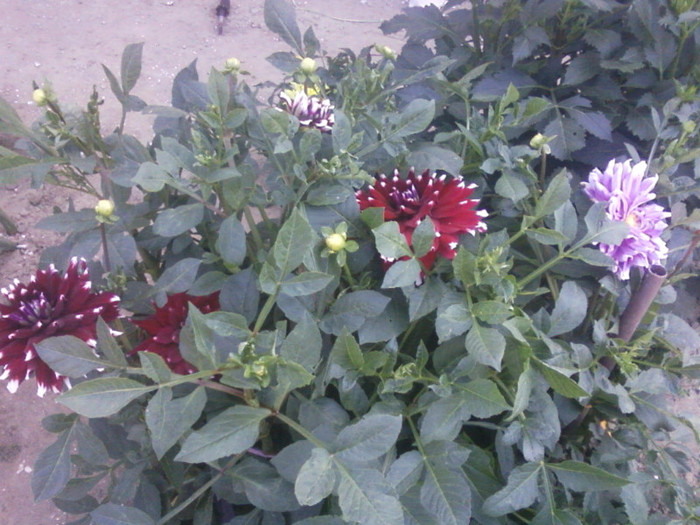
379,298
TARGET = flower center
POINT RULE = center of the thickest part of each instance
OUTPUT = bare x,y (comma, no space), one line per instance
632,220
33,310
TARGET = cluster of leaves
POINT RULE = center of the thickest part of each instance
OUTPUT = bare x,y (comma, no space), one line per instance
328,391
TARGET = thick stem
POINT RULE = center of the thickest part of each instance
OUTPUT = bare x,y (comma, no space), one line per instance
103,233
641,301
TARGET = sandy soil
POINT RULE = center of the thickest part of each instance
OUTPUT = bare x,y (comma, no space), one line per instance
65,42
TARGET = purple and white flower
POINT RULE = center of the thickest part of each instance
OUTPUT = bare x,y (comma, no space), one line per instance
628,194
311,111
52,304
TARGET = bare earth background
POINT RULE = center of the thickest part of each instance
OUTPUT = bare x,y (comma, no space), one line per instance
65,42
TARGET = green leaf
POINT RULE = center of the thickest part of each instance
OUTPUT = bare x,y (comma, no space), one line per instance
561,384
154,367
316,478
372,217
481,398
601,229
445,491
445,417
131,66
568,135
231,242
582,477
402,273
295,238
365,497
303,344
52,469
511,187
341,132
280,18
68,355
206,357
557,193
431,157
263,486
492,312
179,277
415,117
566,221
453,321
233,431
369,438
310,144
114,85
522,396
486,344
391,243
108,346
104,396
593,256
569,310
151,177
218,90
113,514
346,352
305,283
521,491
169,419
351,311
423,237
90,447
171,222
547,236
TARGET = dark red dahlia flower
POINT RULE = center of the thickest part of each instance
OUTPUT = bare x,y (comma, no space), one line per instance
52,304
164,328
408,201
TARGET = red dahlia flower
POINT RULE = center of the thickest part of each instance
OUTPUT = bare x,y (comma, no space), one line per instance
164,328
52,304
408,201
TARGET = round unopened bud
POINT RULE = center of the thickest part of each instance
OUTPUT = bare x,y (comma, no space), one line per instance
386,52
689,126
538,141
232,64
40,97
307,66
336,242
104,208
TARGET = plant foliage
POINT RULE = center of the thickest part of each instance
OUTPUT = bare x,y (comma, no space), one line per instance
328,385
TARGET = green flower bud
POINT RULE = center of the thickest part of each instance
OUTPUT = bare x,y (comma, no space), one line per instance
40,97
689,126
307,66
232,65
386,52
104,208
336,242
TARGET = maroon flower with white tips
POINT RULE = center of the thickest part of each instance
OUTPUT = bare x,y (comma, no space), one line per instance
164,328
408,201
52,304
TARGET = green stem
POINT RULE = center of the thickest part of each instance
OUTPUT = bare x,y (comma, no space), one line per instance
267,307
201,490
253,228
299,430
103,235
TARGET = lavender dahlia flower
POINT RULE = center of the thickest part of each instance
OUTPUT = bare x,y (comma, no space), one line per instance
311,111
408,201
627,194
164,328
52,304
